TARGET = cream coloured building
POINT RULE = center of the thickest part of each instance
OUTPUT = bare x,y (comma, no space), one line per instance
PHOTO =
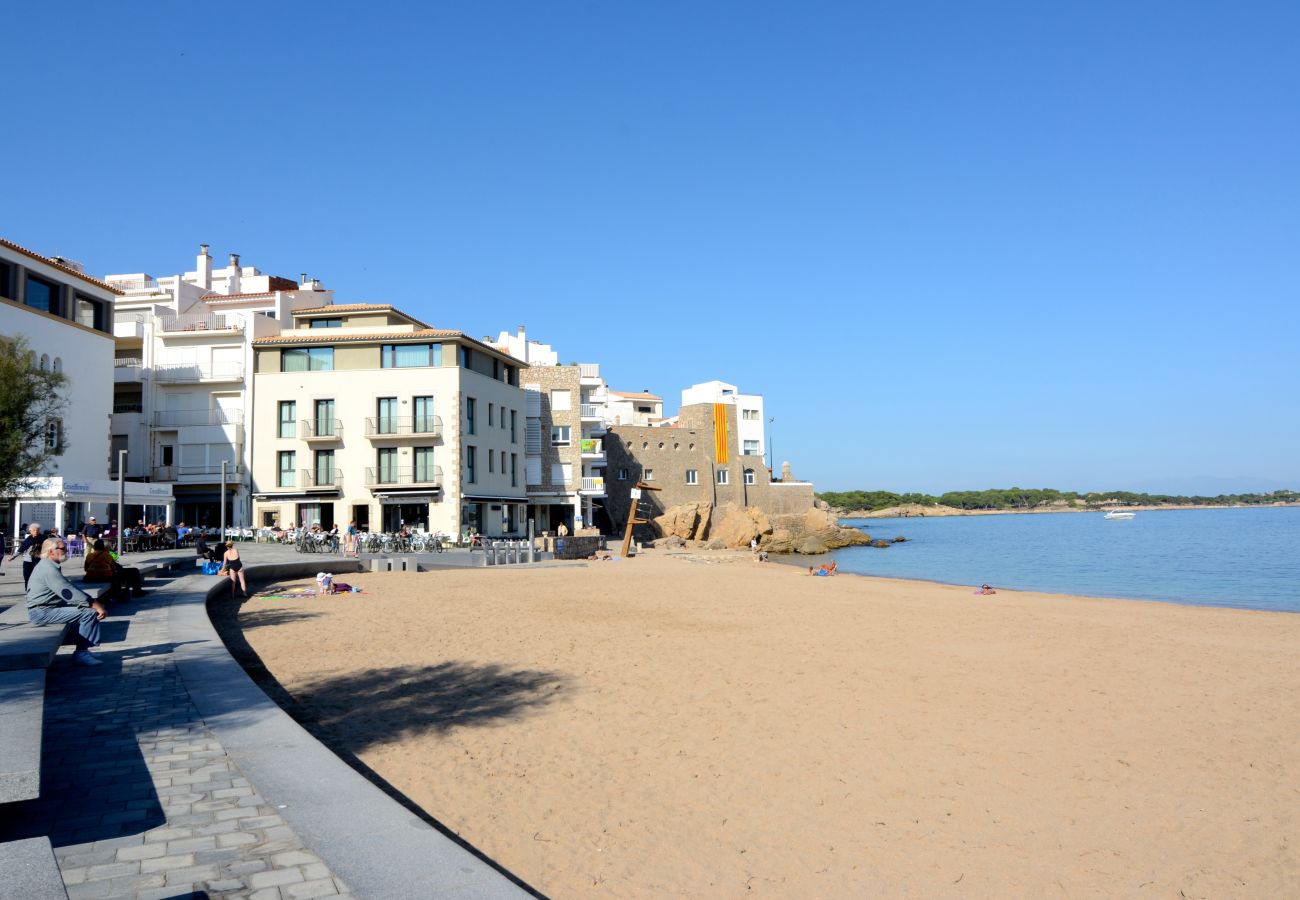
364,413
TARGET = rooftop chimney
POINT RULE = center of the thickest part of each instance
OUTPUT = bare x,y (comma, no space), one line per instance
232,283
303,279
234,260
205,268
523,342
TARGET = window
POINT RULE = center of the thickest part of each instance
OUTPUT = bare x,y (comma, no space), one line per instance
287,464
751,448
749,415
512,428
42,295
424,470
723,477
288,418
622,474
471,405
466,358
386,458
749,476
6,280
307,359
325,323
89,313
324,468
471,465
491,462
692,476
424,420
409,356
559,435
649,475
324,418
561,401
53,434
386,415
561,473
514,470
503,462
492,412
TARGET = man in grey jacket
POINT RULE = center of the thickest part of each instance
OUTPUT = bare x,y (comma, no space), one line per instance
53,599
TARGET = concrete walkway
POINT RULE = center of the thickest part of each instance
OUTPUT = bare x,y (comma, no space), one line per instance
167,773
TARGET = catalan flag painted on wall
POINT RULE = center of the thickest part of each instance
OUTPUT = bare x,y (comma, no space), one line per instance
720,441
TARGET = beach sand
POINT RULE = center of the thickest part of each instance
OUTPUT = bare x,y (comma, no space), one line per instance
704,725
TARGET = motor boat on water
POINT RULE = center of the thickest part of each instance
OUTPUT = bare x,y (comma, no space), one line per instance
1118,514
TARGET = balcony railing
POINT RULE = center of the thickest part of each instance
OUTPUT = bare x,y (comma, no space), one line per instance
588,370
129,406
591,447
321,430
178,417
194,372
135,284
403,426
592,485
310,478
590,411
205,472
404,475
124,362
209,322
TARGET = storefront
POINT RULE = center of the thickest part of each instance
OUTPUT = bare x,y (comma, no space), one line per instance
67,504
493,516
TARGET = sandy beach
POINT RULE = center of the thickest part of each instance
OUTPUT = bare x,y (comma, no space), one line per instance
703,725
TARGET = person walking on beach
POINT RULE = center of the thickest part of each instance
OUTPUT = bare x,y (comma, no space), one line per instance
53,599
31,546
235,568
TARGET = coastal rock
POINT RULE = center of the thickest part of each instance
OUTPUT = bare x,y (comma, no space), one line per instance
880,543
736,526
813,532
689,521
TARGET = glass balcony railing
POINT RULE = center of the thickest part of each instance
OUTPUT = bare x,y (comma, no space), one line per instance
321,429
404,426
404,475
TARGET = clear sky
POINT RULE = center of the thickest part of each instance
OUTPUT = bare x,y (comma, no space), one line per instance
955,245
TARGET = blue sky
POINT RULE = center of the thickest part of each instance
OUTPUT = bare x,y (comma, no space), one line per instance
955,245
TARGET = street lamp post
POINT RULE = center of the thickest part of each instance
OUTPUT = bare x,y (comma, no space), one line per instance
121,497
771,454
222,535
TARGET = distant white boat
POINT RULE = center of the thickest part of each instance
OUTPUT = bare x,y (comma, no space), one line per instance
1116,514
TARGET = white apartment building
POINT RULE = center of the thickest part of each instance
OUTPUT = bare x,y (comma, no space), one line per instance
182,385
567,413
749,412
635,408
67,318
364,413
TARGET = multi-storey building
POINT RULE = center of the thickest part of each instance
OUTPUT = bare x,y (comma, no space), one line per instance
182,385
749,425
67,318
363,413
567,412
700,459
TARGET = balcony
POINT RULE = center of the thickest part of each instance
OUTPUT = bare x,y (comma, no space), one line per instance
128,406
404,476
327,479
589,373
201,474
591,448
198,324
194,373
390,428
590,411
128,370
174,418
592,487
322,430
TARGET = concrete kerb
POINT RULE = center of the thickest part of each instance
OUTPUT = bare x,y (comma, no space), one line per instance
370,841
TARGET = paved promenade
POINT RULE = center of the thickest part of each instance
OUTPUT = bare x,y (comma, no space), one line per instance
167,773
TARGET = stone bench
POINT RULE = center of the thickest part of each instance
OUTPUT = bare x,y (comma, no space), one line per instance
29,870
25,645
22,713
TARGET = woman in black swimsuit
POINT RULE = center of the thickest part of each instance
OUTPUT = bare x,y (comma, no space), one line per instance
235,566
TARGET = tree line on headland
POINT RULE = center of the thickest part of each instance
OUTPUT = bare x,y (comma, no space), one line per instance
1036,498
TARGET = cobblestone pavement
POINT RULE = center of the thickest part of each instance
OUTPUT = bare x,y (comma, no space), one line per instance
138,798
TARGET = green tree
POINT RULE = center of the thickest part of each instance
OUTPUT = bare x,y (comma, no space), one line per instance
31,430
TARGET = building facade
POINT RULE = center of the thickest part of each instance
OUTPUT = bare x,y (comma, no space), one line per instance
365,414
67,318
635,408
182,385
749,424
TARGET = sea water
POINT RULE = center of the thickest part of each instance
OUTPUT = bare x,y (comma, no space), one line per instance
1248,558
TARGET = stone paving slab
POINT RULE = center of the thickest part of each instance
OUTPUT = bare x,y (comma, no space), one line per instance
143,797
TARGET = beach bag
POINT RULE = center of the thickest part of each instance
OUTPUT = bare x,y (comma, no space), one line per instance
211,568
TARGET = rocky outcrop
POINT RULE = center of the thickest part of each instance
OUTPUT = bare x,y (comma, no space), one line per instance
812,532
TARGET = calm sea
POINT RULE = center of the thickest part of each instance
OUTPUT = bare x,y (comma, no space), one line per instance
1248,558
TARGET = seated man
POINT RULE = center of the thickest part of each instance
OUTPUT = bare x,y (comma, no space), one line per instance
52,599
102,568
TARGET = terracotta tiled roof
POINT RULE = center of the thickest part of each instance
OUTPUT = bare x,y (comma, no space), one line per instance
344,307
58,265
632,395
341,336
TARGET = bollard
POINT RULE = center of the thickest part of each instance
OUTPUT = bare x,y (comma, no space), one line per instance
489,554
